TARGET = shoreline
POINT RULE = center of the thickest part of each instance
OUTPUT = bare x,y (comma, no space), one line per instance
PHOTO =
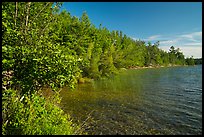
145,67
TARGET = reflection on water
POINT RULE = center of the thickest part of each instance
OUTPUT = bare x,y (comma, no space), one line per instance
143,101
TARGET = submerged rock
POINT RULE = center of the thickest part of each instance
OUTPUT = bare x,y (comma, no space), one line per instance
85,80
81,80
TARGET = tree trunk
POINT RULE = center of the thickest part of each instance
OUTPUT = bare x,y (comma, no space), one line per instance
16,13
28,8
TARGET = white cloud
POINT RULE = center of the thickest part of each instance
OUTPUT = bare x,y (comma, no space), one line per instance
189,51
196,52
168,42
152,38
193,44
135,38
189,43
195,37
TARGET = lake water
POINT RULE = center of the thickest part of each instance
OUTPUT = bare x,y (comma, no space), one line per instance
142,101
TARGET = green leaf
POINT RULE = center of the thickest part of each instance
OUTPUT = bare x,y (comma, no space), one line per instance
4,61
36,59
4,49
23,59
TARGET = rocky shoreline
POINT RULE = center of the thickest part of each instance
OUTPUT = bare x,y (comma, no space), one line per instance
151,66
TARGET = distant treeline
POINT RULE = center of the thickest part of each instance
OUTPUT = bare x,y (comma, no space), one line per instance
192,61
198,61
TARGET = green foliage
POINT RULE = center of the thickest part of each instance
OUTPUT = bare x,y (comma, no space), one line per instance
176,57
198,61
190,61
45,65
36,58
34,115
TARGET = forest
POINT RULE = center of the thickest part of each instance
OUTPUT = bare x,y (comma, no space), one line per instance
43,46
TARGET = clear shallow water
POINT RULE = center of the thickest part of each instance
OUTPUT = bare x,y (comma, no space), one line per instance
143,101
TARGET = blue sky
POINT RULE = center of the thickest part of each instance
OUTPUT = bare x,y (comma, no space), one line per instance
172,23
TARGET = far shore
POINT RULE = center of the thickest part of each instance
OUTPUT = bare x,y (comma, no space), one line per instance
137,67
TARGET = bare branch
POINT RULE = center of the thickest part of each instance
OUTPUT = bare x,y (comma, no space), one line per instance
47,26
88,117
41,11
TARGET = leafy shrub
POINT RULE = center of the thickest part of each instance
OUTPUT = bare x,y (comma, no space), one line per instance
33,115
45,64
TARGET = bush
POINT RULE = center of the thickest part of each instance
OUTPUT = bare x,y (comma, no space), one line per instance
33,115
